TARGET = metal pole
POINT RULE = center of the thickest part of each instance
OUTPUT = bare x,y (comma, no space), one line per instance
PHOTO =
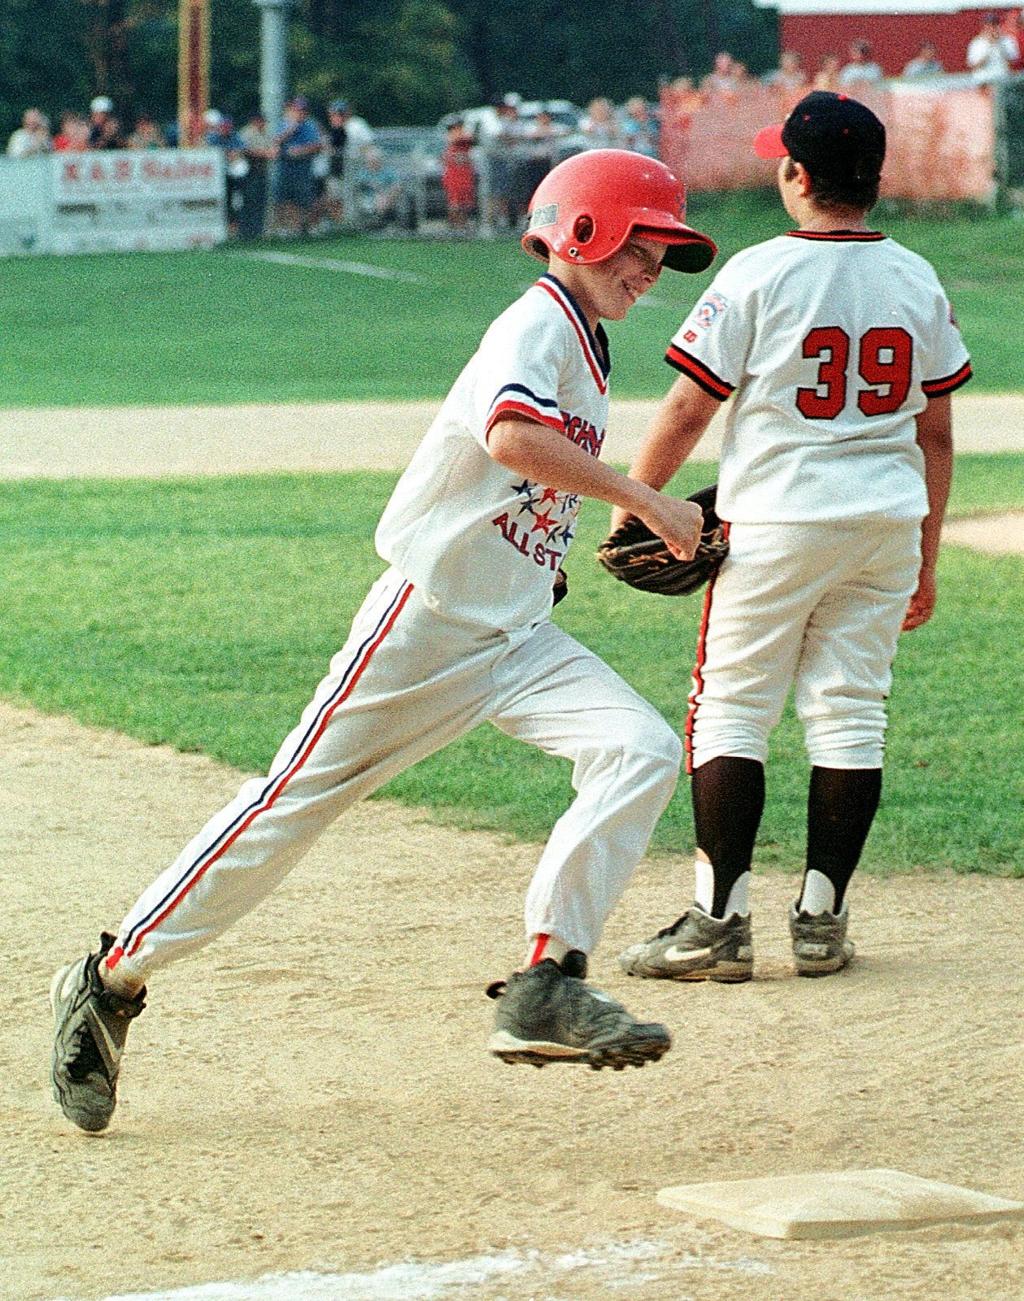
273,57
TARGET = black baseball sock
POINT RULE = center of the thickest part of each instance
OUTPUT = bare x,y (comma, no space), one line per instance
841,805
728,800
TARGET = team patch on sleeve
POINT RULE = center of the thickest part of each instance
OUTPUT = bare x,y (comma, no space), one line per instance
709,309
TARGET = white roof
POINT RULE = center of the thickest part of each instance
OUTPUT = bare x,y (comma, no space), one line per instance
796,7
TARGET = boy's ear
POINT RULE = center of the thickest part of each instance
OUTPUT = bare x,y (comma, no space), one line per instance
803,178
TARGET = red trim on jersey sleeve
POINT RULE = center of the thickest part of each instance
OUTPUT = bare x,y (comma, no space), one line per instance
510,408
936,388
699,373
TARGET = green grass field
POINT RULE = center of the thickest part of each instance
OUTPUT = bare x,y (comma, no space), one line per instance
222,327
203,613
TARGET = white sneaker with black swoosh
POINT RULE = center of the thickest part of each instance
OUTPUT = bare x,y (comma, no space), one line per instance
91,1026
695,947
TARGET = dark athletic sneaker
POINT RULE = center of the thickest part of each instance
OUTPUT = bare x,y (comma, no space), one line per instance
91,1026
548,1014
820,945
695,947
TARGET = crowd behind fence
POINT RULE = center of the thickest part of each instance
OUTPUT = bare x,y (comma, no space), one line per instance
953,136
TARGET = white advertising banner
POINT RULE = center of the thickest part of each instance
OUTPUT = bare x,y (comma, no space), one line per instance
137,199
112,201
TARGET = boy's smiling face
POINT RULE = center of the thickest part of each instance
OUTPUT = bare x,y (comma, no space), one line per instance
607,290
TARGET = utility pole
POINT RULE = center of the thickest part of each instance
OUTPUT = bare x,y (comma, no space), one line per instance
193,68
273,57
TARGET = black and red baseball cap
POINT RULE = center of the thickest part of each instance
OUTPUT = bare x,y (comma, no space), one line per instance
832,135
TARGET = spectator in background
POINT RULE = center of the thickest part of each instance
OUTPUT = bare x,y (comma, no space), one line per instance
724,78
336,146
259,151
789,75
320,167
640,127
827,76
32,138
861,68
146,135
219,133
297,139
682,100
992,52
458,176
358,132
599,125
925,63
73,135
499,137
378,190
540,154
104,128
344,137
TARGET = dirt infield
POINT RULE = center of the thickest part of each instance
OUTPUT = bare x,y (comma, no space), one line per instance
153,441
311,1093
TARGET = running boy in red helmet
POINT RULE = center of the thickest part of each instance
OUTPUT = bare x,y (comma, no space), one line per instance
457,632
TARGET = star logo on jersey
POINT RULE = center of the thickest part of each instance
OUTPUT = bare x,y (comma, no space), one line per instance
549,494
544,522
565,533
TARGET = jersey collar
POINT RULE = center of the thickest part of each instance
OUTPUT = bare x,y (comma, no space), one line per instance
839,236
593,342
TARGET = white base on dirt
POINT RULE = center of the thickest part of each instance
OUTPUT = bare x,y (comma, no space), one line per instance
836,1204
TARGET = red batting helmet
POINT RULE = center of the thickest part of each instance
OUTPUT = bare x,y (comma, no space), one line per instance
587,207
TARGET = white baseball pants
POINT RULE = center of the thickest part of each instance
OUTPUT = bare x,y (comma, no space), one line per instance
406,683
813,606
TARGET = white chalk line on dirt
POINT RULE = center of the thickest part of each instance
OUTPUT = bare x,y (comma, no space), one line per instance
334,264
616,1265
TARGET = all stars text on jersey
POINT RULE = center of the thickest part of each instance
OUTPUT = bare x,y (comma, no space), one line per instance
518,534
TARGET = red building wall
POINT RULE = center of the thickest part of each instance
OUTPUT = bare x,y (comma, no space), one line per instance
895,38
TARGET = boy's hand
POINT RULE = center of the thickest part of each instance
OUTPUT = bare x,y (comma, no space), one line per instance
922,603
676,521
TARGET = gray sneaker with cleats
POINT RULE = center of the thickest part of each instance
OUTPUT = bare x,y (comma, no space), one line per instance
695,947
820,946
90,1028
548,1014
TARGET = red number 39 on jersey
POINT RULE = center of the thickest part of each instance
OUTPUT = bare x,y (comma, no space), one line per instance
884,359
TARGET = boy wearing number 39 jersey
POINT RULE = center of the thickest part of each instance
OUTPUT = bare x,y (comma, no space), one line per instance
838,352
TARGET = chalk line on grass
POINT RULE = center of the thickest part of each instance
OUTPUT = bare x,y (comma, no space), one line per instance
332,264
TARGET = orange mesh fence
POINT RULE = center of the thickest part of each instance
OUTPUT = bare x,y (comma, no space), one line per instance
941,143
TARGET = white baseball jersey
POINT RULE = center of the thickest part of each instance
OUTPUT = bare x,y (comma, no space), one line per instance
481,544
830,345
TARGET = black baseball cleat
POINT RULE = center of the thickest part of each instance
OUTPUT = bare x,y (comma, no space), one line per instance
91,1026
548,1014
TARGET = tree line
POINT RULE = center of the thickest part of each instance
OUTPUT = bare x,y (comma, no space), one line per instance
398,62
